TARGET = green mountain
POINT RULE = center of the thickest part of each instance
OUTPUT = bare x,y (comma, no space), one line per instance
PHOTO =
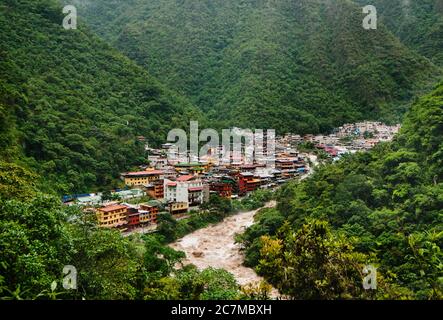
71,106
418,24
300,66
382,207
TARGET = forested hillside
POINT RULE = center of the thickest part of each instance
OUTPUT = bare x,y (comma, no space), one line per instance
39,236
71,106
418,24
74,111
300,66
382,207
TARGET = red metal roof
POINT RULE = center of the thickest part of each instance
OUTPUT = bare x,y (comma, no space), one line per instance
195,189
171,184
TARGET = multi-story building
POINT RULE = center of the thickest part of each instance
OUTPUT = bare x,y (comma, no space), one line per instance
112,216
223,189
156,189
178,208
148,214
247,182
142,178
285,163
194,168
133,217
185,189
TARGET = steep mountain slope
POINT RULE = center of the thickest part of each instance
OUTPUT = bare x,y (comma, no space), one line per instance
387,202
302,66
71,106
418,24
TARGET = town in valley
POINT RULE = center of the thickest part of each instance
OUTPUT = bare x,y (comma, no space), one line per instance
178,188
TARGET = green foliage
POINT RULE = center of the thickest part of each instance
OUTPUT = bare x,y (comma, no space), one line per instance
219,285
16,182
254,200
34,245
386,202
190,284
312,263
39,236
267,221
74,106
296,66
167,226
418,24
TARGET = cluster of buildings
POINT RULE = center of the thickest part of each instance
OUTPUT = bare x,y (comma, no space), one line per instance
178,187
126,216
187,188
348,138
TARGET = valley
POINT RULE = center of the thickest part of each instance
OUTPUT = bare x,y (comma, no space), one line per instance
90,182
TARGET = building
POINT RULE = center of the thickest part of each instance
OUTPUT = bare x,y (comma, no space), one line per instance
224,186
178,208
148,214
156,189
112,216
142,178
194,168
285,164
133,217
185,189
223,189
247,182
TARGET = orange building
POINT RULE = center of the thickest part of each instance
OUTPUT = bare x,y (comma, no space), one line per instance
112,216
247,183
148,214
156,189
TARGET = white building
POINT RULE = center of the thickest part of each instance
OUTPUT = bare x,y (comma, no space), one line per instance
185,189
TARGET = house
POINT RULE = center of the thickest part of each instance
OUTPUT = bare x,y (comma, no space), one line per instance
194,168
133,217
285,164
223,189
178,208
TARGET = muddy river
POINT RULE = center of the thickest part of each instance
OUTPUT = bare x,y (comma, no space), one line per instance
215,246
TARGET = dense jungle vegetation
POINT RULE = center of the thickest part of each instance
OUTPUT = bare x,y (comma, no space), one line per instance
382,207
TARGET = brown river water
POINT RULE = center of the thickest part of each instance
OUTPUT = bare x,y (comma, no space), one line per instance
215,247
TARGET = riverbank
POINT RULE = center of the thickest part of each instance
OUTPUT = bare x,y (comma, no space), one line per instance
215,246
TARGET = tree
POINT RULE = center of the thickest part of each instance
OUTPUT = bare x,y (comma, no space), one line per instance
166,226
312,263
